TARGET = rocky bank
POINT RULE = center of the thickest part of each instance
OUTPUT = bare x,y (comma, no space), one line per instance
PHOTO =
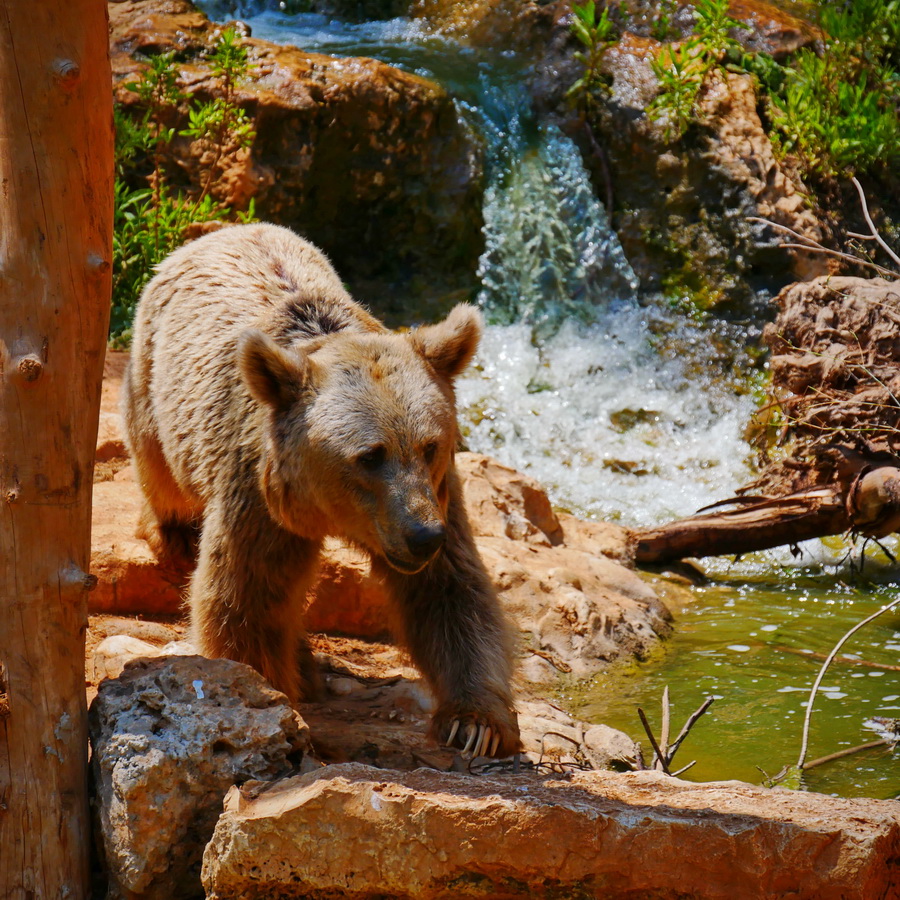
381,168
373,164
207,782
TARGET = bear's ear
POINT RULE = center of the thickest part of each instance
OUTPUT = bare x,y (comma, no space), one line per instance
450,345
272,375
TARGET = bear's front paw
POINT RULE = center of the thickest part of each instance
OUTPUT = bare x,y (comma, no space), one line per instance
493,734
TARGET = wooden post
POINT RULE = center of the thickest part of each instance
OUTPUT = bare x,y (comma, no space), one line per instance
56,169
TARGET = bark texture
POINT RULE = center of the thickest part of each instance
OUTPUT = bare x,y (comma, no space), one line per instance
55,248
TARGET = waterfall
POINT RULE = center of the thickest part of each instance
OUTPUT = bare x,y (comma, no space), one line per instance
550,255
609,404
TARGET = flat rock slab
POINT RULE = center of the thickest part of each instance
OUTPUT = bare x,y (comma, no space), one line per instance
355,831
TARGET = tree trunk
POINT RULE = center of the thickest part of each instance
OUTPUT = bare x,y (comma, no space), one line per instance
56,167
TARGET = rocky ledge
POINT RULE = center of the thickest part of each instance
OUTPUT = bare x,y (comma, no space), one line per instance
355,831
346,798
373,164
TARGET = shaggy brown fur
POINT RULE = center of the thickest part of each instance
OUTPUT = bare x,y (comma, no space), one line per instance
267,410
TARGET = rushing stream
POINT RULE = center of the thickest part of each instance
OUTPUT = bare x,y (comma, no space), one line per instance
625,412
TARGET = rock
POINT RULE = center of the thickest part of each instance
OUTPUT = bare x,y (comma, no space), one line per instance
129,578
355,831
373,164
113,653
348,599
770,29
511,26
169,737
502,501
549,734
680,207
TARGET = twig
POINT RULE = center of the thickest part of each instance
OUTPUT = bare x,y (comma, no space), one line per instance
813,245
812,694
871,224
840,754
656,749
684,769
664,728
839,254
848,660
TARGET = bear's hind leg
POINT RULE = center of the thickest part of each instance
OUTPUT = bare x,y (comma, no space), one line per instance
169,522
172,539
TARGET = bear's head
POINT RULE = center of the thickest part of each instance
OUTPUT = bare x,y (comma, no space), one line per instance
361,430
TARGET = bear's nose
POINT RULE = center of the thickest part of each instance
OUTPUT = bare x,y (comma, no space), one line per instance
425,540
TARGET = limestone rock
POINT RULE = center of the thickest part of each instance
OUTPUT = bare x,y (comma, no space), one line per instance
129,577
680,207
169,737
502,501
517,26
113,653
684,205
355,831
344,153
549,734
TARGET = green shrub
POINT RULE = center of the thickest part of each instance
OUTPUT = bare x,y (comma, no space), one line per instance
596,33
152,219
682,70
838,111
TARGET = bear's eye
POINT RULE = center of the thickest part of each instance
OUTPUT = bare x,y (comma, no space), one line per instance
429,451
372,459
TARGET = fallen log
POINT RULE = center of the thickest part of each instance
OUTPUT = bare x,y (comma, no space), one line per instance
828,438
869,504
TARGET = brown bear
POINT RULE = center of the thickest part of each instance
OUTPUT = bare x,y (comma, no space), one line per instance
266,410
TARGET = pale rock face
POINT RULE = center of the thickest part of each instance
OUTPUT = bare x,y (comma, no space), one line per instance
355,831
169,738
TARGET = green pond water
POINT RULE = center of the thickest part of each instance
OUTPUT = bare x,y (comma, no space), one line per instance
748,642
618,427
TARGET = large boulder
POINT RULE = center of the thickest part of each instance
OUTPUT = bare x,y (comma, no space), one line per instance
354,831
375,165
169,737
681,207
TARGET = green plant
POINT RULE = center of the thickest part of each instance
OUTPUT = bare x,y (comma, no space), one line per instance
713,27
682,70
662,23
151,218
596,33
220,125
838,111
681,73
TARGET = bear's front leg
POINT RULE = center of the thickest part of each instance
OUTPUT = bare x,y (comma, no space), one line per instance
457,635
248,595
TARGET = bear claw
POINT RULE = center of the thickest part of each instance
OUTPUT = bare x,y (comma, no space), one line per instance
471,732
477,739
